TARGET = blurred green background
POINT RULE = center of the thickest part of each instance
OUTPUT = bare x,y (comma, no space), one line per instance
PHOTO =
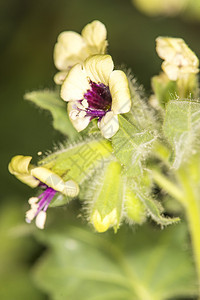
28,32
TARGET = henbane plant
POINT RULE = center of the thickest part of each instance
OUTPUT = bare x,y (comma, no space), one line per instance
119,146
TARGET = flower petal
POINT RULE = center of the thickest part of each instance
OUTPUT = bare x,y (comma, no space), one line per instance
167,47
95,35
20,167
75,84
120,93
49,178
79,122
69,50
176,53
102,224
109,125
60,77
99,67
172,71
71,188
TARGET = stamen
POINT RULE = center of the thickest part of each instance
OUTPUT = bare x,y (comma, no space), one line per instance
30,214
74,114
38,210
33,200
85,103
41,219
79,105
82,114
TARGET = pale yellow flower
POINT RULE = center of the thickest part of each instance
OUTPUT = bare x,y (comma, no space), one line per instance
179,59
40,176
95,91
72,48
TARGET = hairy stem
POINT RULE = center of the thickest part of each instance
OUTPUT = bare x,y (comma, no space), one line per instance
186,196
168,186
193,215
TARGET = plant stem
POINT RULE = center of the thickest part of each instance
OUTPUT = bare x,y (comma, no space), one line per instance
193,215
168,186
188,199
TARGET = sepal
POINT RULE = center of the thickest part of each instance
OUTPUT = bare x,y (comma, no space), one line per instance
105,198
164,90
134,209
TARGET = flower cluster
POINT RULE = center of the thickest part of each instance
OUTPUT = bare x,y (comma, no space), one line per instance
89,84
95,92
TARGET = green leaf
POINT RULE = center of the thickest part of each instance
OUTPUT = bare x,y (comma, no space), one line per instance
154,210
77,162
141,113
182,128
134,265
131,146
50,100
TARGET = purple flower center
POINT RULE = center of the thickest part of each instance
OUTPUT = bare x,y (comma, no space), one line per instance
99,100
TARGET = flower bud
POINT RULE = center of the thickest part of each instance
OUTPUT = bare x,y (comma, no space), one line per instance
107,198
134,208
179,59
102,225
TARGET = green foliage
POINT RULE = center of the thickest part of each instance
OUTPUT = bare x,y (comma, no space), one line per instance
131,146
145,264
141,114
181,127
155,211
50,100
78,162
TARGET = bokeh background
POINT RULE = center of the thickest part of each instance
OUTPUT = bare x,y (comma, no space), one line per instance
28,32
